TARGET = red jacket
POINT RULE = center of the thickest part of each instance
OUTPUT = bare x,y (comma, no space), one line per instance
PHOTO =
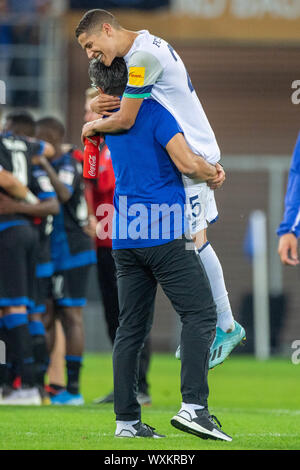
100,191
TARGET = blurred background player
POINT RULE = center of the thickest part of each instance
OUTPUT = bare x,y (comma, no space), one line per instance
289,229
22,123
13,187
19,244
72,252
100,192
55,334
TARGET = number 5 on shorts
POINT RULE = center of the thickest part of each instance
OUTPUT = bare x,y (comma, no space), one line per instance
195,205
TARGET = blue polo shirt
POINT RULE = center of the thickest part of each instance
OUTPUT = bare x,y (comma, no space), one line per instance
149,194
291,218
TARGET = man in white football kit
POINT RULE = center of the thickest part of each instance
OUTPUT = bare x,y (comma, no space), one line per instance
155,70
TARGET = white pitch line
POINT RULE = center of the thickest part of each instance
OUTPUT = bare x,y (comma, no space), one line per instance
278,411
266,434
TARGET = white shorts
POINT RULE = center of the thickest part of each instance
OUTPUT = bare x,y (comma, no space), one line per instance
201,207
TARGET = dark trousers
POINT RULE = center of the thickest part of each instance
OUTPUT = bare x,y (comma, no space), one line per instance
108,286
184,281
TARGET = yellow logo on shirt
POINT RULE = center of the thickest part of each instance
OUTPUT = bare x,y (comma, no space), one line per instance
136,76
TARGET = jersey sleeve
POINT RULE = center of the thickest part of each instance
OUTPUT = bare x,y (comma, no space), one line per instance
69,173
35,147
166,126
143,71
41,185
291,218
78,155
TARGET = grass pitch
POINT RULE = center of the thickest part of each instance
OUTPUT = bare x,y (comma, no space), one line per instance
258,404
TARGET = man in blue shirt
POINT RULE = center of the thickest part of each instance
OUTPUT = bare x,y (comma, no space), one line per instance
289,229
149,247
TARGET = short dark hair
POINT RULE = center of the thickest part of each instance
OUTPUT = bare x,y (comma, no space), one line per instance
112,80
53,124
22,122
95,18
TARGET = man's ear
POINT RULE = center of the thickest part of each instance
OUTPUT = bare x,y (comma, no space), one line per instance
107,29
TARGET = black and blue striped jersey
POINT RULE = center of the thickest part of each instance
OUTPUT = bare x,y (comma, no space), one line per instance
71,247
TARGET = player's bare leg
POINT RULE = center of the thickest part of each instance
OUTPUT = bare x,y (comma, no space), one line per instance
56,347
56,371
72,323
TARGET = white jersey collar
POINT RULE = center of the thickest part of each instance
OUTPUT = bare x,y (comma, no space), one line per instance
142,33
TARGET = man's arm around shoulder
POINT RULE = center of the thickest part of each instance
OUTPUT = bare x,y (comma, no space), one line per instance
119,121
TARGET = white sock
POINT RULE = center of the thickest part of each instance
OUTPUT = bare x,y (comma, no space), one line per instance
214,273
125,425
190,408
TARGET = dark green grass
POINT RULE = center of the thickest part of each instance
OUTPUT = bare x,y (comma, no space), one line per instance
258,403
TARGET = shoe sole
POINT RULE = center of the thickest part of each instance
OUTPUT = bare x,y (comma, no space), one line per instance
138,437
69,403
29,402
197,430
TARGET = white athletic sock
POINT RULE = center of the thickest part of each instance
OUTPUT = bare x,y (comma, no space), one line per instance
190,408
125,425
214,273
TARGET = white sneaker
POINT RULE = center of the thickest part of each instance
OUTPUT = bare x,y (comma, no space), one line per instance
203,424
137,430
22,396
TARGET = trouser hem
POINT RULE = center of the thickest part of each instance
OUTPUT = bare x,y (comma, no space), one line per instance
128,417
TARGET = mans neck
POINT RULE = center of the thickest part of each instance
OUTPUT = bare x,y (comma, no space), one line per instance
58,152
126,40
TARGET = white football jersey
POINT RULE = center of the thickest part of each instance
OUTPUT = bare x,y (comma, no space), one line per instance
156,70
